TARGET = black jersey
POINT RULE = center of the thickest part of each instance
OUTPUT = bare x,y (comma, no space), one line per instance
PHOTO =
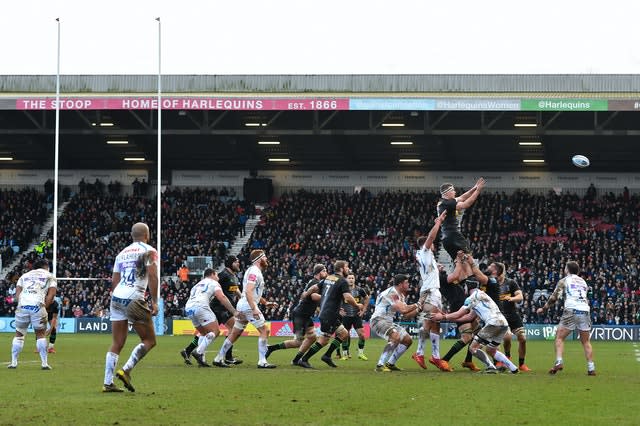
360,295
230,284
492,288
452,292
52,310
332,289
451,223
508,289
306,307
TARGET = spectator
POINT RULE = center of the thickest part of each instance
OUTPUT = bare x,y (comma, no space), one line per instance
183,273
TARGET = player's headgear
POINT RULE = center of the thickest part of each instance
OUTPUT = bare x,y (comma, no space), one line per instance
472,283
256,255
319,267
445,188
230,260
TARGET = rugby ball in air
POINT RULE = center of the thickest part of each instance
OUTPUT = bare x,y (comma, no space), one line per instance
580,161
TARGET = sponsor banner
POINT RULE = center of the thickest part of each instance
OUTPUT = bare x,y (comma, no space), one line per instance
186,328
281,328
565,105
185,103
624,105
622,333
618,333
393,104
543,332
258,103
96,325
65,325
93,325
471,104
440,104
285,329
448,331
158,320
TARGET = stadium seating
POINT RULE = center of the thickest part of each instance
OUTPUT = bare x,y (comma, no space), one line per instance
22,213
96,226
532,233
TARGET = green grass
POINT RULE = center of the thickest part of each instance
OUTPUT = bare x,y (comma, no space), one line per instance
170,393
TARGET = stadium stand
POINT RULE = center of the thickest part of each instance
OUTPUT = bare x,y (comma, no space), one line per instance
532,233
22,213
95,226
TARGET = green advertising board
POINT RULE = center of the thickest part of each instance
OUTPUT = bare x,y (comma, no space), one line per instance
564,105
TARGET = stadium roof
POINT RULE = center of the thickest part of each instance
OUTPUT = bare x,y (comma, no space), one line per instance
274,84
457,83
448,122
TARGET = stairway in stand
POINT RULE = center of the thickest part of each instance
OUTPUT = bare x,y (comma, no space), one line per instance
46,227
240,242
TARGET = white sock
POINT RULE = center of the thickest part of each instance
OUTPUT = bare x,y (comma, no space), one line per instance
422,341
386,352
397,353
223,349
204,342
559,361
262,350
499,356
591,366
136,355
435,344
16,348
484,358
111,360
41,344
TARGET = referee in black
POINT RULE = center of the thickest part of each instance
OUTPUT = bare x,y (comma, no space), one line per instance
228,280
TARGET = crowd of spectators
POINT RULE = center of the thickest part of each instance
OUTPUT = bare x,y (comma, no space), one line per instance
197,222
22,214
93,229
373,233
95,226
533,234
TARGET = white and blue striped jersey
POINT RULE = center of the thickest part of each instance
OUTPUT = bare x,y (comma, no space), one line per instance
131,286
35,285
252,274
428,268
202,293
385,304
575,292
485,308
